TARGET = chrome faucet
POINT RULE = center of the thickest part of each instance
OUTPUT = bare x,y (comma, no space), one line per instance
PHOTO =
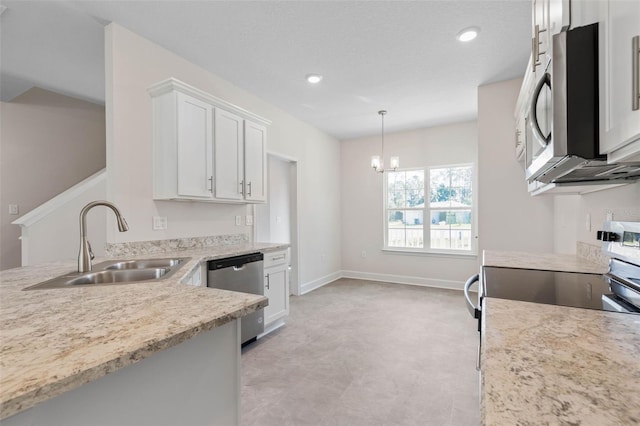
86,254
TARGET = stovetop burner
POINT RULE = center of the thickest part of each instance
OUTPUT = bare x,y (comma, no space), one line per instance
576,290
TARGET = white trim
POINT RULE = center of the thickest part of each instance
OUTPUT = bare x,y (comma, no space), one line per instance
170,84
272,327
421,252
322,281
42,211
404,279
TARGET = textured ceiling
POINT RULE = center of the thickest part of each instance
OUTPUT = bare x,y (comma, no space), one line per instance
395,55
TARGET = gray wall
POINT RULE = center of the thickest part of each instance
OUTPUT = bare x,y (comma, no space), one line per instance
48,143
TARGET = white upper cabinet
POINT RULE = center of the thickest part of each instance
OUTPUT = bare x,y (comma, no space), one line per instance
255,159
195,162
229,156
619,81
205,149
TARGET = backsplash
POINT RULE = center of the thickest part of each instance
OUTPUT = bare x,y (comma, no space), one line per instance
136,248
592,252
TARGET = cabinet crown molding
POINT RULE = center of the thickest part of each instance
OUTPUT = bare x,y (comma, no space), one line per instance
171,84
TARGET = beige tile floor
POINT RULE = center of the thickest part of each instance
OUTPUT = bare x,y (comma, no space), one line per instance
360,352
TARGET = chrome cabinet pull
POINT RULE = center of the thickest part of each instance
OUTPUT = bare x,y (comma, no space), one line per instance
268,282
535,48
278,257
241,187
635,72
211,180
249,189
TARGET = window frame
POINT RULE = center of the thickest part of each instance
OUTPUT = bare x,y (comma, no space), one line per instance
426,211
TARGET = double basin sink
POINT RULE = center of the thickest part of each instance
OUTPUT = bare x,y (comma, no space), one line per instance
116,272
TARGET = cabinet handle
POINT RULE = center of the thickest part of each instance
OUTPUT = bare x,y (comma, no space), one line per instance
535,48
268,282
635,72
211,180
279,257
249,188
241,187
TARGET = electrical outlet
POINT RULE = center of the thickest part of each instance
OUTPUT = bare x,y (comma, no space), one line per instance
159,223
13,209
609,216
249,220
238,220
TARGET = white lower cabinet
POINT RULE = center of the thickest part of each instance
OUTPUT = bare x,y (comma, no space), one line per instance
276,288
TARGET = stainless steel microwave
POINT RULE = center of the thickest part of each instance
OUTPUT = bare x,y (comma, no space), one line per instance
563,111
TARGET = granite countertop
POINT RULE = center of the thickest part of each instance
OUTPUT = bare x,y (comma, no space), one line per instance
545,364
544,261
56,340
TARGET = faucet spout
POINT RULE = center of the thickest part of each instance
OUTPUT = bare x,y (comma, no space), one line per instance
85,254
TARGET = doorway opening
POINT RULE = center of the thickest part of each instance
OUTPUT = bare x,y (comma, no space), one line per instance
276,221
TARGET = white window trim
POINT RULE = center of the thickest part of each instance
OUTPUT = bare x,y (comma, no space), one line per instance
427,210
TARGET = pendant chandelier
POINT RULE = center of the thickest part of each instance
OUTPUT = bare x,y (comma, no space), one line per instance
377,161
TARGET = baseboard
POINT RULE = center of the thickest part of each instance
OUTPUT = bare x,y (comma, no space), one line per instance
405,279
312,285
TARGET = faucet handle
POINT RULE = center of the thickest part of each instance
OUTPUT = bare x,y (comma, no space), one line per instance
91,255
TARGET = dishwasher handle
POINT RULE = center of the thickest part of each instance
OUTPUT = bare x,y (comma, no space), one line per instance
235,262
473,309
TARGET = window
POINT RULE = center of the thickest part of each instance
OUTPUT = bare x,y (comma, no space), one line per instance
444,223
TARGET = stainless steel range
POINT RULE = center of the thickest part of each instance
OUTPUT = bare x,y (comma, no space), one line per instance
621,241
617,290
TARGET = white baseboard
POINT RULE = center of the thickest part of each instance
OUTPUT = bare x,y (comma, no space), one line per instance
389,278
404,279
312,285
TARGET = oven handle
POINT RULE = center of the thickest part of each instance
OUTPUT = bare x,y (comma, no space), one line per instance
537,132
473,309
622,281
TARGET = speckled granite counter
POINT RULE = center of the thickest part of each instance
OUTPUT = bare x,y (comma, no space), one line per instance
544,261
544,364
56,340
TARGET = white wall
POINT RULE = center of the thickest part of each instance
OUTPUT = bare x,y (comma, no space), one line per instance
510,219
132,65
362,204
48,143
622,202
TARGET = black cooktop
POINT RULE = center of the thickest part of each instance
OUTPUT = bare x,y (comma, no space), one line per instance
577,290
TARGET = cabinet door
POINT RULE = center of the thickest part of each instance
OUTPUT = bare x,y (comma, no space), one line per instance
229,153
620,123
195,142
255,158
276,289
541,37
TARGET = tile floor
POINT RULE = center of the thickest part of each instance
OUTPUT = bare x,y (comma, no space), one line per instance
359,352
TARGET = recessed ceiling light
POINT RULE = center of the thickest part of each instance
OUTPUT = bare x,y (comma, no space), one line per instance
314,78
468,34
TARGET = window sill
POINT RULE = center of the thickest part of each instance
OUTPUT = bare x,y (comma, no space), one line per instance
409,252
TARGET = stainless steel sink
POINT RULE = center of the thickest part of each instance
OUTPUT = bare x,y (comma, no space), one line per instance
142,264
116,272
122,276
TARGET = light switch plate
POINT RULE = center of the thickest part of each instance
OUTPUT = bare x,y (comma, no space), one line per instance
238,220
159,223
13,209
249,220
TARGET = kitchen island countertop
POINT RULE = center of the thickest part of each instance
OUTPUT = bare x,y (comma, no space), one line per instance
56,340
546,364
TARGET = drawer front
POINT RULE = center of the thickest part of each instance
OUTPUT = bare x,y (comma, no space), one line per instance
274,258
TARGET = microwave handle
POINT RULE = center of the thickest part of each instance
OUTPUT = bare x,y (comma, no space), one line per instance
537,133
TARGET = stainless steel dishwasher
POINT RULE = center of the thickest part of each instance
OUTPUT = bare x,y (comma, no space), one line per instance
244,274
